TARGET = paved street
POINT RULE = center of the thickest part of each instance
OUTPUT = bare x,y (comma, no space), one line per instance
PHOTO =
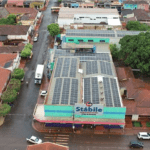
18,124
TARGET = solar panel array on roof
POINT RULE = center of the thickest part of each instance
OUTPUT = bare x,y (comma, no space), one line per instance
83,56
65,92
91,67
73,67
106,68
123,33
107,91
95,91
57,91
58,67
66,67
87,90
115,93
74,92
90,34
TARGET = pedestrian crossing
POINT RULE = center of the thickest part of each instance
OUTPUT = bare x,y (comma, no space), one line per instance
62,138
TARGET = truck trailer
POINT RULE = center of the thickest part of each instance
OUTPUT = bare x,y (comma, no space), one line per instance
39,74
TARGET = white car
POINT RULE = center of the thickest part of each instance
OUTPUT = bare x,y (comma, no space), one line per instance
43,93
34,140
143,135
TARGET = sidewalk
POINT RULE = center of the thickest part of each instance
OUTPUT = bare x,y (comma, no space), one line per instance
1,120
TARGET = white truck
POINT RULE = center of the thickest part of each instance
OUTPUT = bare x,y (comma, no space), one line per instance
39,74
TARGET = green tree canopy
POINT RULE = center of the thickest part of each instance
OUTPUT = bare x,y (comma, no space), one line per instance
26,52
135,51
14,84
137,26
9,95
4,109
10,20
18,73
114,51
53,29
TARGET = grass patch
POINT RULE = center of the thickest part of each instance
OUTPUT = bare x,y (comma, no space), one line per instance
137,124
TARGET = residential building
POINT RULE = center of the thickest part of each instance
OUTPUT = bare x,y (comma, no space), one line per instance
47,146
3,12
14,34
136,15
15,3
80,16
9,61
4,78
26,16
38,4
2,3
135,94
11,49
136,5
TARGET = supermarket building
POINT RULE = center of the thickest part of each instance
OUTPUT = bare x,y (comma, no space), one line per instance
83,90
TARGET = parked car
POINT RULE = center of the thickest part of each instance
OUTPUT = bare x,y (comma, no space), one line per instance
43,93
34,140
143,135
36,37
136,144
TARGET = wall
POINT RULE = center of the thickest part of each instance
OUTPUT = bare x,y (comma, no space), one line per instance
95,40
64,21
130,6
67,111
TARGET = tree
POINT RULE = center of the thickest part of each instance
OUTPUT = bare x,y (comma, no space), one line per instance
114,51
26,52
18,73
9,96
4,109
14,84
135,51
137,26
53,29
10,20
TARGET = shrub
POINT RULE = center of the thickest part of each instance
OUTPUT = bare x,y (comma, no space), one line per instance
14,84
9,96
4,109
18,73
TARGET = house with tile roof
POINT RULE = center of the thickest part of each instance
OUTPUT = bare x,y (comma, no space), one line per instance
15,3
27,16
14,34
3,12
4,78
47,146
11,49
135,94
136,5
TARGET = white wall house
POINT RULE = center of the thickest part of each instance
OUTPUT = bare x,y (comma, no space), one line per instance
99,16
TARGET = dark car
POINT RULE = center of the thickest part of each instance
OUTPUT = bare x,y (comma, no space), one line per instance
136,144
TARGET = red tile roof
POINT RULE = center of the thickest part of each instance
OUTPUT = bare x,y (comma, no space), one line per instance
31,11
47,146
124,73
17,2
4,58
135,2
11,49
141,14
13,29
4,75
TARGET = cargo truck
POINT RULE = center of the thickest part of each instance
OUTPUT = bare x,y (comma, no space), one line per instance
39,74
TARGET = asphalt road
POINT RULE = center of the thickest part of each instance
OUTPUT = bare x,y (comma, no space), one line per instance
18,124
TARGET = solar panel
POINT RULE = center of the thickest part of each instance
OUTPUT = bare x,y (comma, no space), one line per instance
66,67
91,67
87,90
58,67
74,92
73,67
107,91
95,91
65,92
106,68
57,91
115,93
